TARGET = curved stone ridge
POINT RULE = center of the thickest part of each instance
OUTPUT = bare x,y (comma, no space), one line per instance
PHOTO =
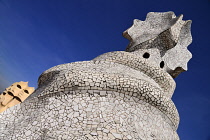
122,83
86,115
117,95
149,68
153,84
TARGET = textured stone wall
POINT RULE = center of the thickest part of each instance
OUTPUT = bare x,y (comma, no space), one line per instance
117,95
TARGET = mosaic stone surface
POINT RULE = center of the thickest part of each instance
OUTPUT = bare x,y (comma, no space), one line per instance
118,95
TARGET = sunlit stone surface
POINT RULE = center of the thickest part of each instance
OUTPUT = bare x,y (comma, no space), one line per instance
14,94
117,95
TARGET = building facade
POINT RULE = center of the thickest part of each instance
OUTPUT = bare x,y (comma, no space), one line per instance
118,95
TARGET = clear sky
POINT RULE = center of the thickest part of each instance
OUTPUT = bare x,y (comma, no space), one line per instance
38,34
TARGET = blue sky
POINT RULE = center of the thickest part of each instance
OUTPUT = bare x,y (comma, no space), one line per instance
38,34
